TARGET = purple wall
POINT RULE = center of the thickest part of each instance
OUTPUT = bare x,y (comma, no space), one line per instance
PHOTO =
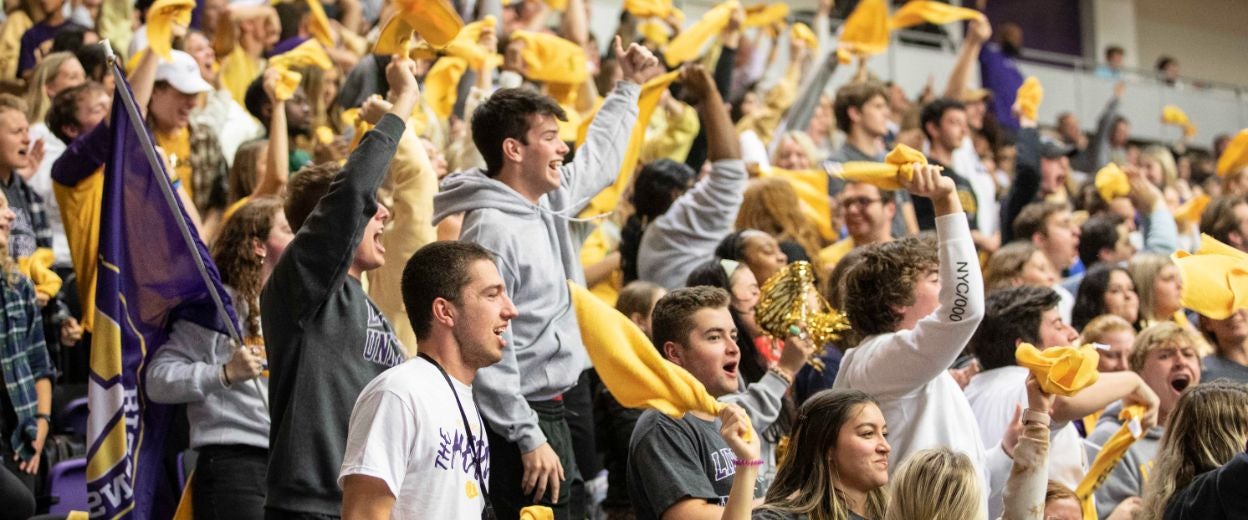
1050,25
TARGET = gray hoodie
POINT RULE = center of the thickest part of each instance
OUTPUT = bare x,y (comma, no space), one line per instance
1127,478
536,253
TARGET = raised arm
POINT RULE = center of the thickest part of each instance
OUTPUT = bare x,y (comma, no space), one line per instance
977,33
278,159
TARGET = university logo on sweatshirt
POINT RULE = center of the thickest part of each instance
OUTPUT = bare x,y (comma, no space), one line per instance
380,344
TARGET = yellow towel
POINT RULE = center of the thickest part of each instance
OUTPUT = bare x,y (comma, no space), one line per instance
1030,94
887,175
395,37
865,32
1235,156
319,24
655,32
537,512
760,15
1061,371
1189,212
160,19
308,54
655,8
553,59
629,365
812,190
651,92
688,44
1111,453
916,12
434,20
38,267
1111,182
558,5
441,84
803,33
1215,279
1172,115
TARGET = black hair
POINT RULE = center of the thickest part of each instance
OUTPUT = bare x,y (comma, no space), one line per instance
1010,315
256,100
505,115
1099,232
656,187
69,38
64,110
1090,298
94,61
933,112
437,270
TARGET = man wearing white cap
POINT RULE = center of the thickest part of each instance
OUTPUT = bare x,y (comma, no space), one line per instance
192,149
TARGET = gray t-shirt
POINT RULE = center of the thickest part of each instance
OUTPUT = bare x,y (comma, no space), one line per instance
1221,368
670,460
847,153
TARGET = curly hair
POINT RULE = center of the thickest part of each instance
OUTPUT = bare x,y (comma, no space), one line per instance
884,280
771,206
234,252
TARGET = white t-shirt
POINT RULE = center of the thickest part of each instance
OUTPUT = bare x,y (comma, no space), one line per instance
406,430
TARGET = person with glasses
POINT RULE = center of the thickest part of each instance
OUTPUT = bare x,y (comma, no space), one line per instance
868,214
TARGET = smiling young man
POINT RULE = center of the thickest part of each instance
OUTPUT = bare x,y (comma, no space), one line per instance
1165,356
416,447
519,208
325,338
869,213
682,468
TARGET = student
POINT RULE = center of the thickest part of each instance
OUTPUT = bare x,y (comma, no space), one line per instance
681,468
519,207
862,112
416,447
836,465
936,484
916,313
326,339
868,213
1116,337
1105,289
30,228
1229,338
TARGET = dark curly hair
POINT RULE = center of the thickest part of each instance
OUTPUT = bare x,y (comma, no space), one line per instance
506,115
235,255
882,281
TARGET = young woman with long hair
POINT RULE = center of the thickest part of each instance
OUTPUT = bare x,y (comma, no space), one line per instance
214,377
1105,289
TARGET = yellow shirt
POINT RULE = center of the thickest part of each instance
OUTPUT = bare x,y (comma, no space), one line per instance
831,255
80,213
238,70
177,146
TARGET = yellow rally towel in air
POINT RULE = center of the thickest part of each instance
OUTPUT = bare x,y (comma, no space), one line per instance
1190,211
760,15
630,366
537,513
686,45
434,20
655,8
1215,279
318,25
1235,156
38,267
651,92
916,12
812,190
441,84
1029,96
1111,453
1061,371
888,175
1111,182
1172,115
550,58
865,32
804,34
308,54
160,19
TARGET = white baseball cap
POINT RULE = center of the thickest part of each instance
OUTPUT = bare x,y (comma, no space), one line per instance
182,73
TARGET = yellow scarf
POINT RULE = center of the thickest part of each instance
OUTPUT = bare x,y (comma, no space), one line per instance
1111,453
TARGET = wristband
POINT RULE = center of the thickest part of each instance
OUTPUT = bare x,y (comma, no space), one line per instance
224,377
44,416
787,380
749,463
1035,416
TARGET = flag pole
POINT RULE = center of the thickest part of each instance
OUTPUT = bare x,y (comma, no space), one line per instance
166,189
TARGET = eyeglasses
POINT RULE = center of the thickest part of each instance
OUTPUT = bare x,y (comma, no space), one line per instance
849,202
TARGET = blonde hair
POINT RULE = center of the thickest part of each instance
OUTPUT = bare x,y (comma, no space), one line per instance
1170,171
1144,269
37,100
1006,265
804,142
1100,326
771,205
936,484
1208,427
1163,335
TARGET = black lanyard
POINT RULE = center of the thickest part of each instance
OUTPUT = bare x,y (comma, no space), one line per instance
488,513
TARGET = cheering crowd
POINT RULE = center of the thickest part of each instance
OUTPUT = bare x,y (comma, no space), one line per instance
397,206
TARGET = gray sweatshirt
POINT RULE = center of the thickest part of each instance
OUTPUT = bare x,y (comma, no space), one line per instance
676,242
1127,478
536,254
187,368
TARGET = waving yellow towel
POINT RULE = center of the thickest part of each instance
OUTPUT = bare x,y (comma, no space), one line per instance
1172,115
760,15
865,32
441,84
1030,94
1061,371
688,44
1235,156
803,33
160,19
552,59
888,175
652,8
916,12
1215,279
308,54
1111,182
1189,212
434,20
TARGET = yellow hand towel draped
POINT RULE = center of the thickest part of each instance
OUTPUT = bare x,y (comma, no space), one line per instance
760,15
1111,182
1189,212
651,92
1111,453
318,25
1235,156
160,19
550,58
655,32
865,32
395,37
688,44
812,191
1215,279
537,512
1172,115
916,12
434,20
1061,371
888,175
441,84
308,54
38,267
630,366
803,33
1030,94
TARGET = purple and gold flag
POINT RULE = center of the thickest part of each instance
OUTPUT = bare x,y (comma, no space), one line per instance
152,270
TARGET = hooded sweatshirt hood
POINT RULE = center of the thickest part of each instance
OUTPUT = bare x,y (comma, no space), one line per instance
471,190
